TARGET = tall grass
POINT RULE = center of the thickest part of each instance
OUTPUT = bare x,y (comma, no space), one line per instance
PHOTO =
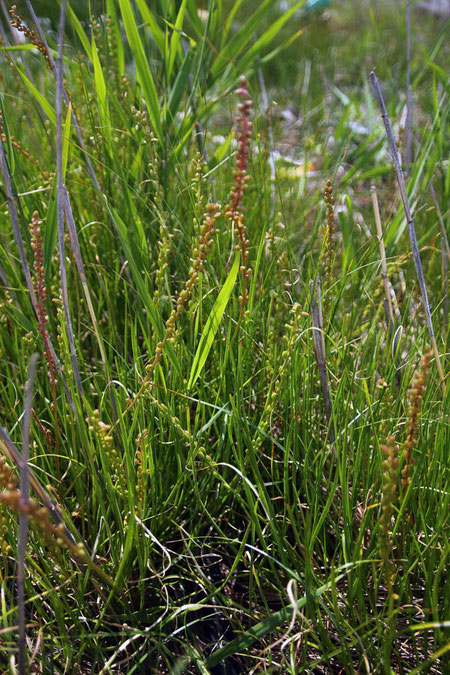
228,472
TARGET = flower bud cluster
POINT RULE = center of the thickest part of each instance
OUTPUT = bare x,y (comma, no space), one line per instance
18,147
8,481
414,411
63,347
329,245
207,231
165,237
112,47
277,386
102,431
390,477
7,476
141,462
40,516
140,119
199,181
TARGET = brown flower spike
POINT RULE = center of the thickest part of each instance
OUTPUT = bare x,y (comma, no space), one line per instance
234,209
16,21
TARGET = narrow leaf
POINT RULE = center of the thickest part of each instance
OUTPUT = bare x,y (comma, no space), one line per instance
79,30
242,38
180,86
112,12
66,140
175,42
45,105
212,324
142,67
267,37
155,31
252,635
100,88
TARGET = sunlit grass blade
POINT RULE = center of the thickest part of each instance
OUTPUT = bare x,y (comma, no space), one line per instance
100,88
212,324
268,36
111,7
39,98
142,67
79,30
152,25
175,42
230,51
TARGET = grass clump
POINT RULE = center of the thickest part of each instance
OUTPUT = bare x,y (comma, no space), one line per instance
238,461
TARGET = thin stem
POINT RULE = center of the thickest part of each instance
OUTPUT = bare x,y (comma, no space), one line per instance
410,222
23,518
60,198
384,274
409,101
319,350
441,221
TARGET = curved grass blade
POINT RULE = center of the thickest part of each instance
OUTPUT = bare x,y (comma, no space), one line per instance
100,88
9,145
180,86
243,642
144,295
51,223
23,258
10,451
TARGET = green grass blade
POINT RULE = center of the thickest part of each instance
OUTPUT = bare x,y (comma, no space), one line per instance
50,231
180,86
194,17
175,42
66,140
79,30
267,37
237,44
45,105
229,22
144,295
9,146
112,13
243,642
100,88
155,31
142,68
212,324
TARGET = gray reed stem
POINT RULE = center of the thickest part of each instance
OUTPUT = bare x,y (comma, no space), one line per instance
410,222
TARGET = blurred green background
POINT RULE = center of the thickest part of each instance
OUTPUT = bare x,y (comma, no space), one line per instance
50,8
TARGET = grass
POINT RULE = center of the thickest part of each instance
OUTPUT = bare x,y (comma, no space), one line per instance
236,463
